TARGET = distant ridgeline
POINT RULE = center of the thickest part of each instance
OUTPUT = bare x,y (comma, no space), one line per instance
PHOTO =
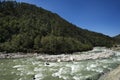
28,28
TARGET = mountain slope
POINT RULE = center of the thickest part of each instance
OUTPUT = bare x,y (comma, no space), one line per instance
117,38
25,27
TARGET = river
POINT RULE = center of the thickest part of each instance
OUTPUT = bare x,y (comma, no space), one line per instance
34,69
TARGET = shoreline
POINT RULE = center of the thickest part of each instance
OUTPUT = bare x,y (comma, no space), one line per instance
111,75
116,71
77,56
15,55
74,57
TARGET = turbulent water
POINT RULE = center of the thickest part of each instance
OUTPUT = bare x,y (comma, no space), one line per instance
33,69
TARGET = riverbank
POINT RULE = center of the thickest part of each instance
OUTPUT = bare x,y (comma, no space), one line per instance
76,57
115,73
112,75
93,54
15,55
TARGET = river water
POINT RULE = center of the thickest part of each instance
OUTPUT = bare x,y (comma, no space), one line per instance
33,69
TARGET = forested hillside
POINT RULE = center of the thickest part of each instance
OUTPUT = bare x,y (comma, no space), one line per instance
28,28
117,38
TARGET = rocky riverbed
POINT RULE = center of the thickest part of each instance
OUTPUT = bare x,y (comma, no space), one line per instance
33,67
15,55
77,56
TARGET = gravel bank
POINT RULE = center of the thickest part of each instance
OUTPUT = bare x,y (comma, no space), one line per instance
93,54
15,55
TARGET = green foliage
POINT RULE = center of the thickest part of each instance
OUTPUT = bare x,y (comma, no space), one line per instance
117,39
54,44
37,42
25,27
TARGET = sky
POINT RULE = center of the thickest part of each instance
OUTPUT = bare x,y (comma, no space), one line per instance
101,16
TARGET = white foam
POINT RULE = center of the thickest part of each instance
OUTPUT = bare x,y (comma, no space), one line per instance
118,59
17,66
93,65
37,63
75,68
76,78
61,74
39,76
117,53
99,70
88,68
105,66
38,69
19,69
30,73
21,74
53,69
20,79
58,73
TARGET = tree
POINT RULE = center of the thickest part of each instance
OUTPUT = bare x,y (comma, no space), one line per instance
37,42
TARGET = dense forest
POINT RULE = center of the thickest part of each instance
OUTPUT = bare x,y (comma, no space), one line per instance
27,28
117,38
